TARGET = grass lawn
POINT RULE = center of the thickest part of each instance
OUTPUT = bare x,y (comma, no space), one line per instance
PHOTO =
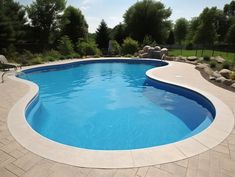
226,55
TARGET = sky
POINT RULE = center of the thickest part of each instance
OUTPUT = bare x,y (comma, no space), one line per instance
112,10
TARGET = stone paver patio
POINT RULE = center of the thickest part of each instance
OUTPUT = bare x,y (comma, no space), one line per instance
18,161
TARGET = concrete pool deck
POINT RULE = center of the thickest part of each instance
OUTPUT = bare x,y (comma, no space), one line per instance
219,161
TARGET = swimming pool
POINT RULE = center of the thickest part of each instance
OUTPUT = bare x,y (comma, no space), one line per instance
113,105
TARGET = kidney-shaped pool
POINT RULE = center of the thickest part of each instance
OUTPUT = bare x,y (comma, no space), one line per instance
113,105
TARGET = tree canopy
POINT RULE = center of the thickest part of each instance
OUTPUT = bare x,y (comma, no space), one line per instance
74,24
181,29
148,18
44,15
102,36
12,20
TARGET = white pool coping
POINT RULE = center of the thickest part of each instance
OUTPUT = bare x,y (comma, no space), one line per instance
33,141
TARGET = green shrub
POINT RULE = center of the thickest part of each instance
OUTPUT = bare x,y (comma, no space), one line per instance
226,65
51,55
24,58
206,58
37,59
129,46
189,46
115,49
148,40
213,64
65,46
87,47
232,76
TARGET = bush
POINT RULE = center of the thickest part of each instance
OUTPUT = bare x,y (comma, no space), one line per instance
189,46
206,58
226,65
87,47
65,46
36,60
232,76
115,48
129,46
148,40
52,55
213,64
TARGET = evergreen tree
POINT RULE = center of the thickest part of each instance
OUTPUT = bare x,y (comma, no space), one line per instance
102,36
171,38
12,20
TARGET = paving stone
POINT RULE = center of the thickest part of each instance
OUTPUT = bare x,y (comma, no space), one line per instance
183,163
6,162
5,173
126,172
14,169
222,149
174,169
142,172
155,172
203,173
27,161
101,172
42,169
64,170
191,172
4,156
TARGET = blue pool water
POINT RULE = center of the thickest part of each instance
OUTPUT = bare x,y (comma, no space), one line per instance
113,106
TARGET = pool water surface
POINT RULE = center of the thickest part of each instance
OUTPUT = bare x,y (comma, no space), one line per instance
113,106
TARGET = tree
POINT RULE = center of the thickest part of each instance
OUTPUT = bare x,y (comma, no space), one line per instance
102,36
119,33
12,21
74,24
147,18
181,30
44,15
171,38
206,32
230,37
229,9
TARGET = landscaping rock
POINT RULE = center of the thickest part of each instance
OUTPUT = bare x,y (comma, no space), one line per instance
146,48
156,54
144,55
152,52
225,73
169,58
233,85
220,79
212,78
218,59
201,66
192,58
157,48
3,58
141,51
216,74
164,51
208,70
228,82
